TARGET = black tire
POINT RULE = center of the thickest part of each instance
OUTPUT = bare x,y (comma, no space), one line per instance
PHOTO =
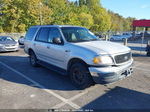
33,59
80,76
148,54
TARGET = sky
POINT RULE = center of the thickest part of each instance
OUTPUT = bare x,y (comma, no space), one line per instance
139,9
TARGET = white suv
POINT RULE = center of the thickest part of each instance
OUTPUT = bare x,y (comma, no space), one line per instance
77,52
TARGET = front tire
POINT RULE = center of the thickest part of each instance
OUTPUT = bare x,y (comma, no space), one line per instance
80,76
33,59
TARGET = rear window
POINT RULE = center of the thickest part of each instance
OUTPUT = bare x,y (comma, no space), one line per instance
30,34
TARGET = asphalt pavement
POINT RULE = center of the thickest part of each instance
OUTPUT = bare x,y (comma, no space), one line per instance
25,87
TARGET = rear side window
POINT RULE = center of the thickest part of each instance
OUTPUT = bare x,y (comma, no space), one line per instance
30,34
43,35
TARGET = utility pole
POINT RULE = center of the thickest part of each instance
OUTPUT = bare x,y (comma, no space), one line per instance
41,18
142,39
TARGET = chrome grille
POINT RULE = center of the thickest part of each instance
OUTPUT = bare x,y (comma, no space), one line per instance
122,58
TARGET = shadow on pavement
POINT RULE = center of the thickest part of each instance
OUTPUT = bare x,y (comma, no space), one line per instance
42,75
121,98
137,48
139,55
116,98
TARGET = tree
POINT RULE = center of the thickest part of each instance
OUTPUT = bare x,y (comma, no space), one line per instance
101,17
21,14
86,20
82,2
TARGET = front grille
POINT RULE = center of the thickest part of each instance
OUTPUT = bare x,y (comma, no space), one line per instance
9,45
8,49
122,58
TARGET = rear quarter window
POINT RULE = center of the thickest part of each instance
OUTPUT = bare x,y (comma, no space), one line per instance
30,33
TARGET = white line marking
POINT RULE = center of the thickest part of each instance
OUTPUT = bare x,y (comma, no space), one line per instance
136,64
75,97
42,87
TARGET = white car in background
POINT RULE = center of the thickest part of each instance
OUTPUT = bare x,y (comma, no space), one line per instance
7,43
116,37
127,35
120,37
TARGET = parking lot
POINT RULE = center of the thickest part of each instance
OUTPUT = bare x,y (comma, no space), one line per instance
25,87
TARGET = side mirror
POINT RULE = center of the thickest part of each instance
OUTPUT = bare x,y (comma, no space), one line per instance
57,40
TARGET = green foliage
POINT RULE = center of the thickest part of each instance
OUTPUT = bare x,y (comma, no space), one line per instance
101,17
119,23
86,20
19,15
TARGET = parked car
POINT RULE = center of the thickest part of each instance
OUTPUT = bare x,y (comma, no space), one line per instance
127,35
116,37
7,43
146,34
120,37
21,40
75,51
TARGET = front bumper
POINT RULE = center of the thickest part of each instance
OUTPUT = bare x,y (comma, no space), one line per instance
4,49
105,75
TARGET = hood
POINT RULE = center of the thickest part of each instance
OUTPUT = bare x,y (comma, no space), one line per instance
104,47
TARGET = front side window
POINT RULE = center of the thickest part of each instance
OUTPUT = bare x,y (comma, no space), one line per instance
78,34
54,32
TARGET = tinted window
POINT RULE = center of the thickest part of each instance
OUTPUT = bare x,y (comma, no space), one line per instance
43,34
54,32
31,32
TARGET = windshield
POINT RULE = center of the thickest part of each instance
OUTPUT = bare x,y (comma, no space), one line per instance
78,34
6,39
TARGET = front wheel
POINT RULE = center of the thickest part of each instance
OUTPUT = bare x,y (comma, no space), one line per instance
33,59
80,76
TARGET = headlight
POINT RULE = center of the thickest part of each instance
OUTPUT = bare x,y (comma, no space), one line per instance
104,60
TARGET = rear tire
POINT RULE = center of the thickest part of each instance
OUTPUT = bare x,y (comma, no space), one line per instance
33,59
80,76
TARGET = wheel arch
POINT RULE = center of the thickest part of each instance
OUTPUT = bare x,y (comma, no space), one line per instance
75,60
30,50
